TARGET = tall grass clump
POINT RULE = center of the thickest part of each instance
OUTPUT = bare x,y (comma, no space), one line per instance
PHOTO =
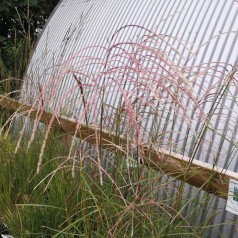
54,204
145,99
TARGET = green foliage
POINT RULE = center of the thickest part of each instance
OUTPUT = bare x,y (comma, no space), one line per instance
13,62
19,17
20,23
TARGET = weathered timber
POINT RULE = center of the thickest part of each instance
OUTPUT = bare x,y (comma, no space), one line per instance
196,173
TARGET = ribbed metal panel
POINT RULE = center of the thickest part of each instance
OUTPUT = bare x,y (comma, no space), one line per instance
194,34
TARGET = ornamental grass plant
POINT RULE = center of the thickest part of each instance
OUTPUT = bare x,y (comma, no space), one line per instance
58,184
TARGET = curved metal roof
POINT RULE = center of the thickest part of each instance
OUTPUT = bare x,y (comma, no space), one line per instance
169,61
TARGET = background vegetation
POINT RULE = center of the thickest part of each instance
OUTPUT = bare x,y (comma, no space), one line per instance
21,21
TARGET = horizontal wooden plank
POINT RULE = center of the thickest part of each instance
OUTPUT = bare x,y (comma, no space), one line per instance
202,175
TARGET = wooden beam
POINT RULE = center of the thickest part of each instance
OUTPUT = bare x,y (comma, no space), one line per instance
196,173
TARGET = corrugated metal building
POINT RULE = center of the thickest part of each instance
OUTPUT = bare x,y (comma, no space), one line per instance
168,60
